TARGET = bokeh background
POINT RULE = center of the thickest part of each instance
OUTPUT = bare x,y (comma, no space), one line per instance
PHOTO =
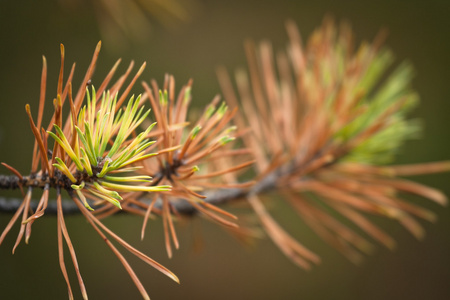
211,264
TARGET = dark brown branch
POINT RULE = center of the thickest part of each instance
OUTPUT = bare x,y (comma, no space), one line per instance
9,182
10,205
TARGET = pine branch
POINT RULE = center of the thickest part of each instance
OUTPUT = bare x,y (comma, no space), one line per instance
219,197
9,182
315,125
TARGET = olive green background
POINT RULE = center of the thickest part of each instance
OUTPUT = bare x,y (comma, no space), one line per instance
220,268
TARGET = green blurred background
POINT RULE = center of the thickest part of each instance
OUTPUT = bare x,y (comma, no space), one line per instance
220,268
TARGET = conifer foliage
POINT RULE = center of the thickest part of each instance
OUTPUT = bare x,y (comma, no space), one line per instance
318,124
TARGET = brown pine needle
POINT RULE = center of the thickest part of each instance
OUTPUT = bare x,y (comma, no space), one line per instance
147,215
62,264
127,246
34,164
107,79
221,172
42,149
82,90
419,169
366,225
291,248
61,71
12,222
24,218
122,259
13,170
63,229
172,228
213,216
402,216
332,230
127,90
42,205
239,185
218,210
166,216
414,188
